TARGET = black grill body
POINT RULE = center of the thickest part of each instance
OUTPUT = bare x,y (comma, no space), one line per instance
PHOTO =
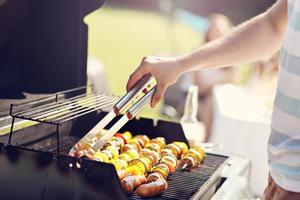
29,174
50,176
44,43
43,47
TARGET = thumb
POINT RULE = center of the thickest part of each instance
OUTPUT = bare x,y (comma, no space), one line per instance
159,92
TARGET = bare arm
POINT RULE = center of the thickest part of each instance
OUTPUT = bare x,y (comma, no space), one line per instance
258,37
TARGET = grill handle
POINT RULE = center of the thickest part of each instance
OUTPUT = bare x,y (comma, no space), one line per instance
140,104
133,93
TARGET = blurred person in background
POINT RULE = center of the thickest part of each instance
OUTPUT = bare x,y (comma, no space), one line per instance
266,68
219,25
276,28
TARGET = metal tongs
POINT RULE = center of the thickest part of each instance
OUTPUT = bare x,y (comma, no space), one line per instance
141,86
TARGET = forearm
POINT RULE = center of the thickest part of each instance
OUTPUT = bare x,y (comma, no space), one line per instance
248,42
258,37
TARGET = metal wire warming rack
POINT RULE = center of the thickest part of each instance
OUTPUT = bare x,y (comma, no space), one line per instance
61,107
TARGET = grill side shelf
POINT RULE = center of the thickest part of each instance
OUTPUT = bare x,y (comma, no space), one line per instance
63,106
60,107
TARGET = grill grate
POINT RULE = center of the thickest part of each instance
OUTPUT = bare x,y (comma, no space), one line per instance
183,185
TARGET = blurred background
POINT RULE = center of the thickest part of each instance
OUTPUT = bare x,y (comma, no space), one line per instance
124,31
234,104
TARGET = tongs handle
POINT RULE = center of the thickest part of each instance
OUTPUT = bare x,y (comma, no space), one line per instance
133,93
140,104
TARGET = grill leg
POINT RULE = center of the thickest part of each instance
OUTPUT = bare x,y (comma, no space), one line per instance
11,130
57,138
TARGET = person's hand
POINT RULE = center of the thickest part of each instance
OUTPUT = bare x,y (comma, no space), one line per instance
165,70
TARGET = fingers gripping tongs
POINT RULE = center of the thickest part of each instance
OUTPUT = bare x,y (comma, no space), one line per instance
96,137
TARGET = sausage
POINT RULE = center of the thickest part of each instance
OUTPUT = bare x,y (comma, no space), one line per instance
153,188
129,183
153,177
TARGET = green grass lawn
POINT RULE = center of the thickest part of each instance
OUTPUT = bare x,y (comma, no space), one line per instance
121,37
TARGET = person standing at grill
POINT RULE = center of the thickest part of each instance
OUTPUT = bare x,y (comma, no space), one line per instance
278,27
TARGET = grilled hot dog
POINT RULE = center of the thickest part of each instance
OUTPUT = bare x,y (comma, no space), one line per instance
129,183
153,188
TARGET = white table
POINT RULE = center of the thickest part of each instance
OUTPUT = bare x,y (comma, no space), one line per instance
242,125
